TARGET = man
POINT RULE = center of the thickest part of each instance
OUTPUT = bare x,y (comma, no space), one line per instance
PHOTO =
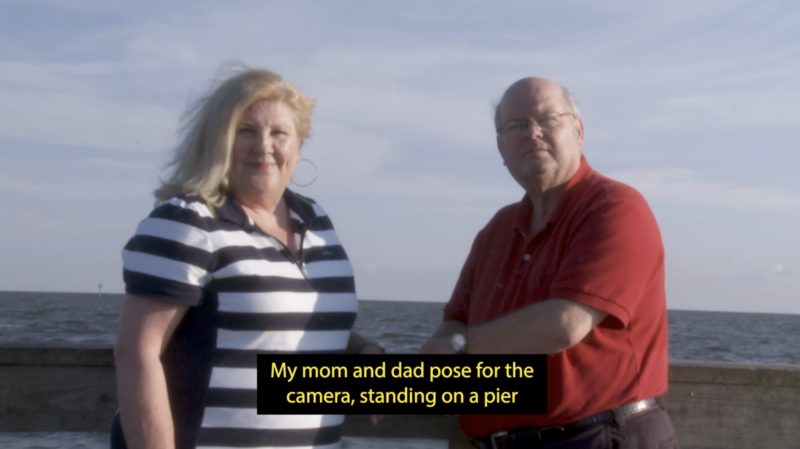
574,270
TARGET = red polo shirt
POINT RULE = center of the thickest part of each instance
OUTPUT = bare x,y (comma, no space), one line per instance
601,248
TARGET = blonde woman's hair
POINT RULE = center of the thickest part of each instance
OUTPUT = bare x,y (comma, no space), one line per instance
202,158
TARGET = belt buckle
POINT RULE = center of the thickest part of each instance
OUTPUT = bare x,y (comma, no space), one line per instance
635,408
495,437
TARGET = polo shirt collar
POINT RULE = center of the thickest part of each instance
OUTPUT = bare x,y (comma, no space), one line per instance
299,209
522,220
232,211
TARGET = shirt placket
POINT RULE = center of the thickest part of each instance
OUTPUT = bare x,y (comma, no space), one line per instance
523,264
299,238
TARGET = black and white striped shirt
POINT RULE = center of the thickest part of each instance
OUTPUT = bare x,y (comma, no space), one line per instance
248,295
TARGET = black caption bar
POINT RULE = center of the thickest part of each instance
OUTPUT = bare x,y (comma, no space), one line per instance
402,384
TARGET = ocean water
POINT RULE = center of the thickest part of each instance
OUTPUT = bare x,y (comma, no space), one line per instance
77,318
80,318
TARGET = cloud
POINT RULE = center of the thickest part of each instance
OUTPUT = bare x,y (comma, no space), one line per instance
403,123
62,104
442,190
436,120
120,166
740,109
683,186
735,285
343,153
778,294
69,191
779,270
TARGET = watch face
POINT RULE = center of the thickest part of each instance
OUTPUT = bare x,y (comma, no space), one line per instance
458,342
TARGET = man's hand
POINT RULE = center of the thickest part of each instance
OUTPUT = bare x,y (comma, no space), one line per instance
439,345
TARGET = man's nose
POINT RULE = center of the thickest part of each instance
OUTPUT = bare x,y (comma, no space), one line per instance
535,129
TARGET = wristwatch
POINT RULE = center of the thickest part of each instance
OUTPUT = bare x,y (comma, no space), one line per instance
458,342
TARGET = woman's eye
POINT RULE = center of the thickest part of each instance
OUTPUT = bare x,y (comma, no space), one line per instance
245,130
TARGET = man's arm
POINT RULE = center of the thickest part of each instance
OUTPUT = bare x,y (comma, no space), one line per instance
545,327
146,326
439,343
448,328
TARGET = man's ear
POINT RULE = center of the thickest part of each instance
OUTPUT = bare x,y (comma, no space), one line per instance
579,130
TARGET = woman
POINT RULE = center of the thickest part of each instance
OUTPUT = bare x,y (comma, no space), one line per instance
229,264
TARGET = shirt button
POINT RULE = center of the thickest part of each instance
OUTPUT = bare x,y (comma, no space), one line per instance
526,257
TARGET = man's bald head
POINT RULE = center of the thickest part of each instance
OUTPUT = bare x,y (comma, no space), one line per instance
532,87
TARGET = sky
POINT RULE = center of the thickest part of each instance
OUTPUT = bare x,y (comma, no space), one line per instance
695,106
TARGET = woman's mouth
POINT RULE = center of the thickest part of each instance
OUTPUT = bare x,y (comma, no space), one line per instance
260,165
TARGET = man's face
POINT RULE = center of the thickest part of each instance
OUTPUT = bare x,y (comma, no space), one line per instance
540,139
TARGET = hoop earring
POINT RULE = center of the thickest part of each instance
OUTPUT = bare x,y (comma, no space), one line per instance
313,178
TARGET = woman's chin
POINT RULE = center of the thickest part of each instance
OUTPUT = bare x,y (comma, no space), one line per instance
258,188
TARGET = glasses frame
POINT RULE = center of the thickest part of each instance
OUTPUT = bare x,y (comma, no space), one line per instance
551,121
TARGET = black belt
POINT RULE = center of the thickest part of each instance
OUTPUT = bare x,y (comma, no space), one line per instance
509,439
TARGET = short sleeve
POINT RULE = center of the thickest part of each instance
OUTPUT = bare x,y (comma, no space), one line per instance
169,257
616,256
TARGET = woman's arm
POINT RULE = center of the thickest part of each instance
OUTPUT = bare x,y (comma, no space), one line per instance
146,326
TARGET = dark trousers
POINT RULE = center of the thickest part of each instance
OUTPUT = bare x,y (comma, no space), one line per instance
651,430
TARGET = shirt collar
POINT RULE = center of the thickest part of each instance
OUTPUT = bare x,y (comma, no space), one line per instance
300,209
522,220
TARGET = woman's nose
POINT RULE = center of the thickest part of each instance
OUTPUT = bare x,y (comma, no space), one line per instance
264,143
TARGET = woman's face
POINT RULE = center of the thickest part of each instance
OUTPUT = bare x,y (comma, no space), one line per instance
265,150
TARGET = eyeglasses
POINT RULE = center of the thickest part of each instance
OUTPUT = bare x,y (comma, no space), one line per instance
519,127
